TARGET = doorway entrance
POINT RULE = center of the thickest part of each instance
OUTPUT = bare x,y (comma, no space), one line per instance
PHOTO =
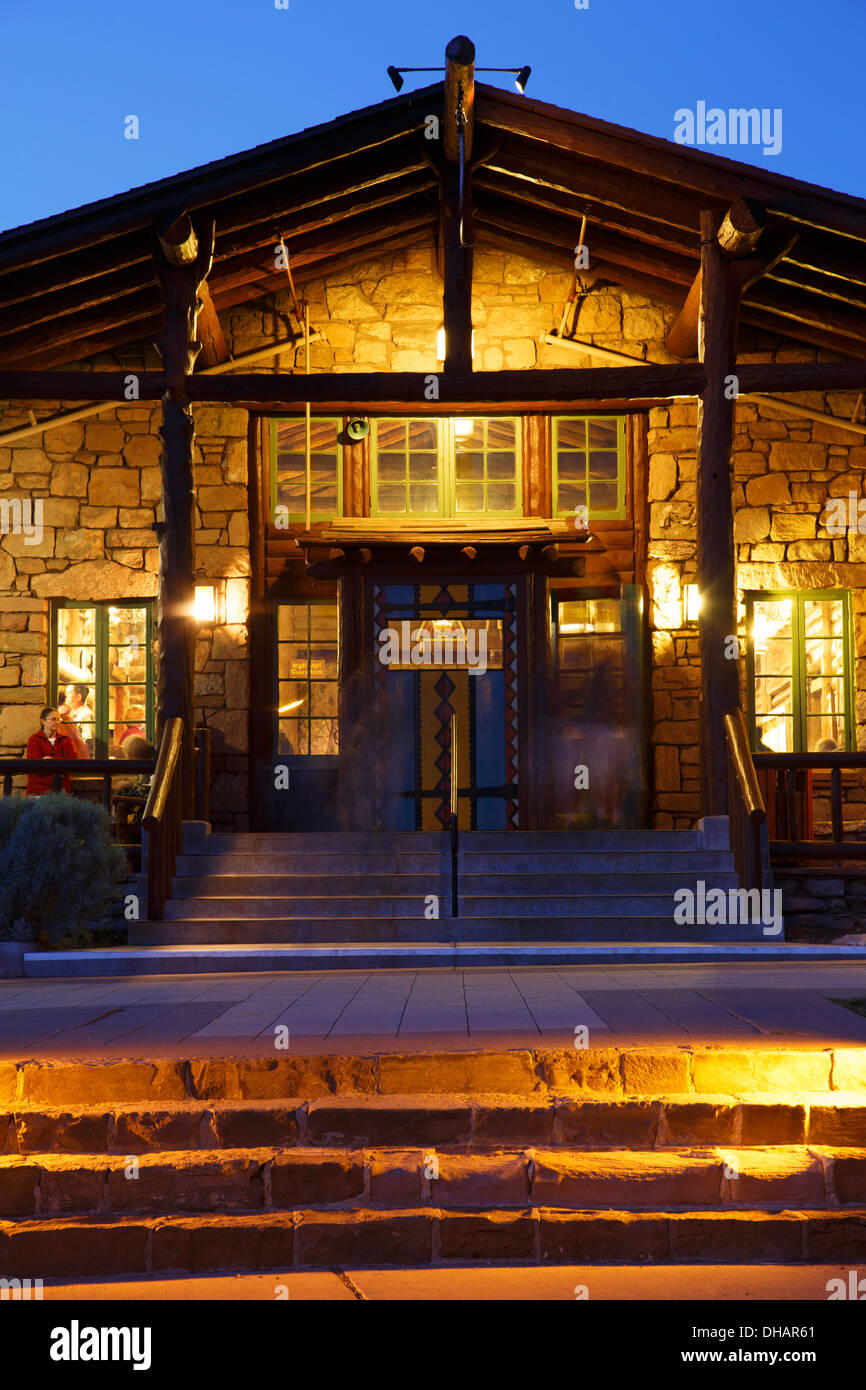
446,673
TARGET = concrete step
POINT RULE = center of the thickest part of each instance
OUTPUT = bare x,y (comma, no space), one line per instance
506,841
451,1123
249,1179
69,1246
332,842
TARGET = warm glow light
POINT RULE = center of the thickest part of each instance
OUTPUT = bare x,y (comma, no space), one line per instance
692,603
204,608
440,344
667,597
463,427
284,709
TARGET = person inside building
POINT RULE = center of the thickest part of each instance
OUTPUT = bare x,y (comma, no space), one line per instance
48,742
76,710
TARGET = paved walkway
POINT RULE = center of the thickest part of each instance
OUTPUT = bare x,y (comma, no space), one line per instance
405,1010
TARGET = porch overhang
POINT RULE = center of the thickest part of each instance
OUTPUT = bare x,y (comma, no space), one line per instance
516,544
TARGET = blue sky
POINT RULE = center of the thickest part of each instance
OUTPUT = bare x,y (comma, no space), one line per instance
207,78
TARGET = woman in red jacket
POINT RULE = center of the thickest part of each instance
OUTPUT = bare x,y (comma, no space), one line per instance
48,743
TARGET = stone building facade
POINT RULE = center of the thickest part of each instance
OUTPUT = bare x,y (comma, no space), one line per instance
99,481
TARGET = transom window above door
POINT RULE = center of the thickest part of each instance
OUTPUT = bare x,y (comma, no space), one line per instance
446,468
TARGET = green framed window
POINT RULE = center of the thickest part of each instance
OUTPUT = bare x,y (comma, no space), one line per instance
101,671
289,470
800,670
446,468
307,669
589,465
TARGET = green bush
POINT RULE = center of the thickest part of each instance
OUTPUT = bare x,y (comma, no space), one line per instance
58,866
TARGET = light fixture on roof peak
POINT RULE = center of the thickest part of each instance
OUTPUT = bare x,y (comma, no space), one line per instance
394,74
522,78
521,75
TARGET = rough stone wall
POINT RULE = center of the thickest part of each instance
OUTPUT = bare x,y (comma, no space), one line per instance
100,483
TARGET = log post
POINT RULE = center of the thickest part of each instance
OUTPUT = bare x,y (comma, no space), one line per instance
182,260
721,287
456,194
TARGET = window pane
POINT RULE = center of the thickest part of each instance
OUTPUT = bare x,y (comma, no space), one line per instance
392,468
423,468
469,466
771,619
825,733
500,497
774,658
774,695
392,499
602,434
470,497
571,495
825,655
603,497
776,734
603,466
501,465
571,467
423,499
424,434
571,434
501,434
823,617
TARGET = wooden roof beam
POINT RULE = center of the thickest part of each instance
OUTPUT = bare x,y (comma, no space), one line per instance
459,98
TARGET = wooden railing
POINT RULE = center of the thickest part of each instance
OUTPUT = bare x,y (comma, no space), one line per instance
746,811
80,768
162,822
792,804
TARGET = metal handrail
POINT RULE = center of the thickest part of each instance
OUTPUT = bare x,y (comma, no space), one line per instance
747,814
162,822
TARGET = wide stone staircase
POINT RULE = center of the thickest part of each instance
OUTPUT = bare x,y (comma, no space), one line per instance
667,1155
516,891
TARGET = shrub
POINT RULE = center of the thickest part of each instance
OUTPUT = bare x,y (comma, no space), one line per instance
58,866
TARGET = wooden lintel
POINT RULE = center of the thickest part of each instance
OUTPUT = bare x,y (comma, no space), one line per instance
459,97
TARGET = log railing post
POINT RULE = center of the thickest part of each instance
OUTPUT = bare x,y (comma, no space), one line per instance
720,681
182,260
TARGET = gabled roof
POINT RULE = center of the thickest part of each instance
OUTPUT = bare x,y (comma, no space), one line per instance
83,281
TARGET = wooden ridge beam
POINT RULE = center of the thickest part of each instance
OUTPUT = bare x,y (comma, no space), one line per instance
459,98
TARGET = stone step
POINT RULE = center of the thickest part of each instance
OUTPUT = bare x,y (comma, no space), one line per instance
418,885
360,863
445,932
210,958
456,1124
248,1179
799,1074
506,841
536,907
67,1246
